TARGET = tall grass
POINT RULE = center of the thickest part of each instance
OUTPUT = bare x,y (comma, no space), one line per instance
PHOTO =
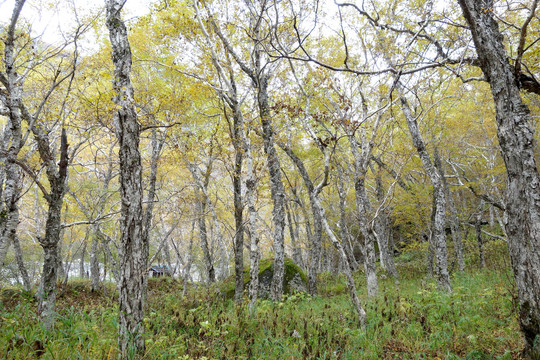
412,321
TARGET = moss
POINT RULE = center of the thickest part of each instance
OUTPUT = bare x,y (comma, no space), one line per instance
266,269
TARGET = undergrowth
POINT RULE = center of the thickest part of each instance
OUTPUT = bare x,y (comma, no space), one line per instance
412,320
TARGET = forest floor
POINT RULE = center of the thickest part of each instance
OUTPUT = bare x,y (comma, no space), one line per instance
412,320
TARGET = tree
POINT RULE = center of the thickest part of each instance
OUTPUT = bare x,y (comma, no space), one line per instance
516,138
260,74
134,245
438,238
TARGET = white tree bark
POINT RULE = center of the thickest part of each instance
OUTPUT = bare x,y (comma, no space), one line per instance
12,140
454,218
133,252
439,220
254,252
517,141
363,208
203,203
260,75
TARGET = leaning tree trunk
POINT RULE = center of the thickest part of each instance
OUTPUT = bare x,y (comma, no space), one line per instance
133,252
439,217
516,138
361,313
319,212
316,243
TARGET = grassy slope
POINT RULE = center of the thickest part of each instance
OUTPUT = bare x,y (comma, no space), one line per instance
476,321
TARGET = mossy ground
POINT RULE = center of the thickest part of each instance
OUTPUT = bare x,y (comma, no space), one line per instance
412,321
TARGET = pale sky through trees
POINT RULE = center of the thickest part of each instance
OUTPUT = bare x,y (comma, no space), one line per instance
51,18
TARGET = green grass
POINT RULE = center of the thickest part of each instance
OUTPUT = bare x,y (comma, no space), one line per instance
415,321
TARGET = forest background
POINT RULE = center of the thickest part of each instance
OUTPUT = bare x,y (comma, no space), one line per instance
376,145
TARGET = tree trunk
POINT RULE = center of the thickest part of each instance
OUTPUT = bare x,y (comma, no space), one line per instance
82,271
347,268
454,218
480,242
516,138
382,232
133,252
296,245
345,235
363,209
187,270
276,188
94,259
57,179
203,200
254,252
260,76
239,149
439,200
316,244
12,142
22,268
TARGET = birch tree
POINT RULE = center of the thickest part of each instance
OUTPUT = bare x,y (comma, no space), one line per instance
260,73
439,198
133,252
517,142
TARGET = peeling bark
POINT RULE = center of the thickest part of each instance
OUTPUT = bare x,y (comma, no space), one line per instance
517,142
439,200
133,252
254,251
363,209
